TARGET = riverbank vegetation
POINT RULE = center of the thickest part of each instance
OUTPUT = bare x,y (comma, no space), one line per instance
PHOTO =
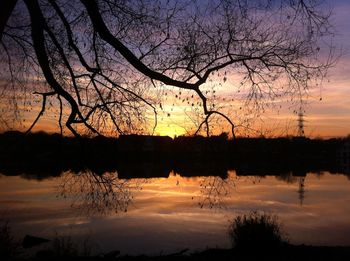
41,153
255,236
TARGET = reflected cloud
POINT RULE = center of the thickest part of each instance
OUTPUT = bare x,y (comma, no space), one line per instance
214,190
94,194
164,213
98,194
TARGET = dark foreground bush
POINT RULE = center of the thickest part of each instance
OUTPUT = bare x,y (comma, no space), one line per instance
8,245
256,231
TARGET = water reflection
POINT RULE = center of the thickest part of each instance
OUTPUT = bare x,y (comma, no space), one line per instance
301,190
92,193
214,190
176,212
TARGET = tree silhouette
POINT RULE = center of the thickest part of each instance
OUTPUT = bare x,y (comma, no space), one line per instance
105,64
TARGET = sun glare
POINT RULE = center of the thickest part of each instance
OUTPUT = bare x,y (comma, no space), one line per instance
170,130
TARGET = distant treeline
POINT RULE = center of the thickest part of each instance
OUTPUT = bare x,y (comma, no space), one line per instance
41,155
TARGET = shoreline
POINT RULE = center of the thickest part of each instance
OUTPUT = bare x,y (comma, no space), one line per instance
285,252
39,153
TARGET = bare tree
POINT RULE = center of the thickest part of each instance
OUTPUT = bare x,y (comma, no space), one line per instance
104,64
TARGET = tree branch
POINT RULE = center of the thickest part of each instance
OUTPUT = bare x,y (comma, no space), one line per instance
6,8
38,21
41,113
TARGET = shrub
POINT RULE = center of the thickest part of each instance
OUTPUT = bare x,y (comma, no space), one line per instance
63,246
8,245
256,231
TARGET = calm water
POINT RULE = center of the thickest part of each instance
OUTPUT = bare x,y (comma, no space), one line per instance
164,215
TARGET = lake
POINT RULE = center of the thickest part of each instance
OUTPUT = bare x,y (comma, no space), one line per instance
167,214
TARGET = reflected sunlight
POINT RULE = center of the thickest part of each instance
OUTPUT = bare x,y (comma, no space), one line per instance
178,208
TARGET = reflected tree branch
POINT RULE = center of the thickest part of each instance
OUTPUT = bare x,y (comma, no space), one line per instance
214,190
98,194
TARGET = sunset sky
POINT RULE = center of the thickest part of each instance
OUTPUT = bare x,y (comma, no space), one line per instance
326,110
331,115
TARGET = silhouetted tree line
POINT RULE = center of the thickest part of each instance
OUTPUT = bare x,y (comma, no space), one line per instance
41,155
